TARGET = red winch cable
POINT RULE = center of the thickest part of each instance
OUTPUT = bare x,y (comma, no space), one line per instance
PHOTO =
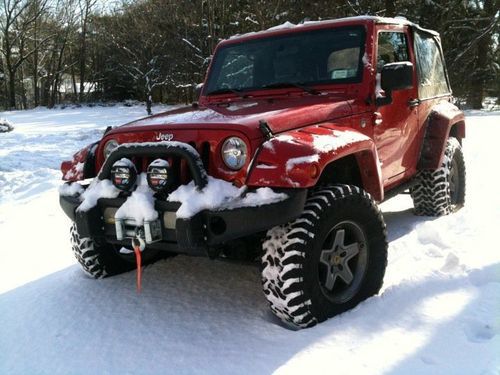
137,251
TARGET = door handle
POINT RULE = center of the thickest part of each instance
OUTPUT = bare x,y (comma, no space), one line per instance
413,102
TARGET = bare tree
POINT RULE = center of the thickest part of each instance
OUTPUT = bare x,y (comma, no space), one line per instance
16,20
86,7
142,56
158,49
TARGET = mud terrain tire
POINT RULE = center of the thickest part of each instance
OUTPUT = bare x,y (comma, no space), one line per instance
442,191
97,261
340,231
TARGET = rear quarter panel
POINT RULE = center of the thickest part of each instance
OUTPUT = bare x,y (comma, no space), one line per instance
441,120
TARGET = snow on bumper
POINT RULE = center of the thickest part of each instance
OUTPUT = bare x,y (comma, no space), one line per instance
235,218
203,213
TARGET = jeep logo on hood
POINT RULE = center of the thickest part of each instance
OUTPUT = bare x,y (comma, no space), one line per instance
164,136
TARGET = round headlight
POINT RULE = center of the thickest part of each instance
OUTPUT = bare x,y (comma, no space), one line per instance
123,174
109,146
234,153
158,175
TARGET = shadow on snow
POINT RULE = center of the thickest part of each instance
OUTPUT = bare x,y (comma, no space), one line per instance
193,316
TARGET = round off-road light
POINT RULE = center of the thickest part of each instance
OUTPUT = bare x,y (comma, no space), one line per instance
109,147
159,176
123,174
234,153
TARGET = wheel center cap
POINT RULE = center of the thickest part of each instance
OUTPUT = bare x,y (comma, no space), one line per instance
336,260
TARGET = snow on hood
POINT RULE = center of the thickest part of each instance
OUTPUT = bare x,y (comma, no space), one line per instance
327,143
281,116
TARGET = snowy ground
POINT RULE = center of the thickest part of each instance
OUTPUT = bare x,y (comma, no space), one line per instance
438,313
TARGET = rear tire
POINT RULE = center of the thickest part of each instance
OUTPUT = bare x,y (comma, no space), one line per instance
328,260
442,191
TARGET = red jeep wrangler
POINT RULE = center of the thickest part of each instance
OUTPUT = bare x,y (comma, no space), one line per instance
300,130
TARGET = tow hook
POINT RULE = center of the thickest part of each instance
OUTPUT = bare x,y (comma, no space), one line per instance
138,245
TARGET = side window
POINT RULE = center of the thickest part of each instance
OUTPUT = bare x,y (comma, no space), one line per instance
430,67
392,47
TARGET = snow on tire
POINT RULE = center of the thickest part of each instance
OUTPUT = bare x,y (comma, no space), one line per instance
328,260
97,261
441,191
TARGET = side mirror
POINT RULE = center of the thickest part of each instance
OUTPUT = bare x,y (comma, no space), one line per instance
395,76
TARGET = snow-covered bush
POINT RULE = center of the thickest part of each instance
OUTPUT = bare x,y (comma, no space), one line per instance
5,126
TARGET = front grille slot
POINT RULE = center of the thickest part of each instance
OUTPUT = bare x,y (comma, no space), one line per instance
205,155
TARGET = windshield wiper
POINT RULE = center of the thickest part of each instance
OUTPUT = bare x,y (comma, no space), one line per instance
301,86
240,93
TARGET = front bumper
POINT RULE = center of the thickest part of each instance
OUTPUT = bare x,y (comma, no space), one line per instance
195,235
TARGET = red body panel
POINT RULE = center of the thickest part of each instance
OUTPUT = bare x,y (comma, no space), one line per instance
73,170
387,141
296,158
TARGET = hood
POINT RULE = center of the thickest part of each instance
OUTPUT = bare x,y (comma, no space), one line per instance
245,116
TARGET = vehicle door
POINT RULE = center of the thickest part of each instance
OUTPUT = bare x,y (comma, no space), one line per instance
433,83
396,122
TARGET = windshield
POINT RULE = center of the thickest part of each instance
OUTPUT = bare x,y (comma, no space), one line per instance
313,57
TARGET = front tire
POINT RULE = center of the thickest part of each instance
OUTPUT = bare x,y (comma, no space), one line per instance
97,260
328,260
442,191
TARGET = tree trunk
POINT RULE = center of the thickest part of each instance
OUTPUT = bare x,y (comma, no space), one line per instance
12,90
475,98
55,90
149,103
83,52
5,98
57,77
35,83
35,63
11,76
24,99
43,92
82,72
49,80
73,81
